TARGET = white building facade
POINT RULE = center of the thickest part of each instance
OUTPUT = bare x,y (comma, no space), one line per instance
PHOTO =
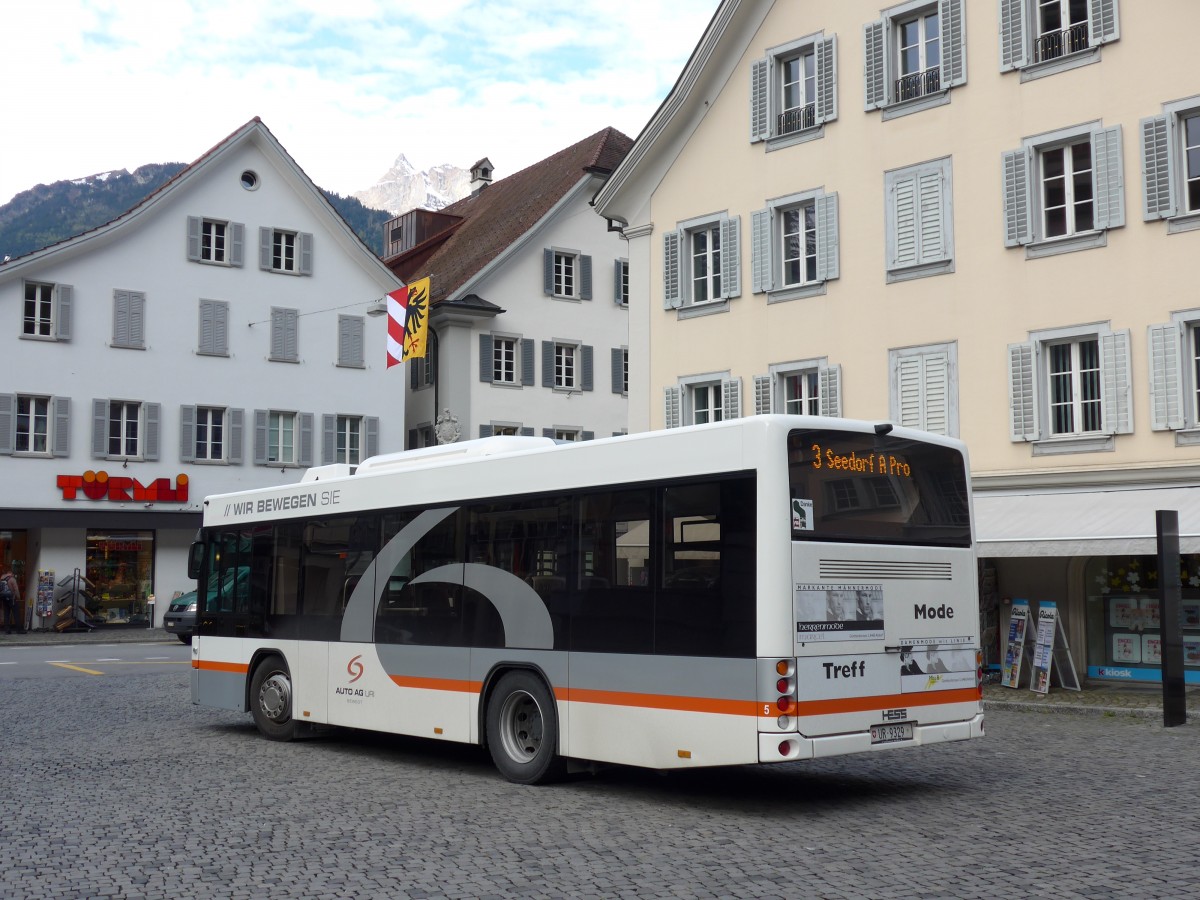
214,338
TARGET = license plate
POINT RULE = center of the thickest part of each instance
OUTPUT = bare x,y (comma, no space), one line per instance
885,734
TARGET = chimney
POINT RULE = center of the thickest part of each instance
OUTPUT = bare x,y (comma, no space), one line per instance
481,175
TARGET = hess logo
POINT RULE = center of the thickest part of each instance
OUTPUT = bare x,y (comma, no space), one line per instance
355,668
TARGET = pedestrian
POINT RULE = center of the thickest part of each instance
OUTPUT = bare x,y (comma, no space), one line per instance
10,596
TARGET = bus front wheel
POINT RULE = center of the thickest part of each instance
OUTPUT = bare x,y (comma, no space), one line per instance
271,699
522,729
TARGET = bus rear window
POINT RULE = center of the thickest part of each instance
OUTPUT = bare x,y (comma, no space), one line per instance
869,488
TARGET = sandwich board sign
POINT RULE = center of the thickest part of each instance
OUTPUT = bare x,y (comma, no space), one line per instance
1051,647
1015,650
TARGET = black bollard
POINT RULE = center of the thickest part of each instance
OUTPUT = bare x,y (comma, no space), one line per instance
1170,595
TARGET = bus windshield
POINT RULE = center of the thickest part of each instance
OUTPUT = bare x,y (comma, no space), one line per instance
871,488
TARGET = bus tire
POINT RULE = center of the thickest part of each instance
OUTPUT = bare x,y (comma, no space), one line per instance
522,729
271,699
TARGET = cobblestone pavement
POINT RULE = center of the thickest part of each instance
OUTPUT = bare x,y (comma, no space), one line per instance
122,788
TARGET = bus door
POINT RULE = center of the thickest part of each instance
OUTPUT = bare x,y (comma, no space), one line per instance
226,609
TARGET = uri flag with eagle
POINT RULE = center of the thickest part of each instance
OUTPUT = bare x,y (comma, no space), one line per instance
408,322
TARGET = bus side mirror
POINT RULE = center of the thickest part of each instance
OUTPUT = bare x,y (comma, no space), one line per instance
195,560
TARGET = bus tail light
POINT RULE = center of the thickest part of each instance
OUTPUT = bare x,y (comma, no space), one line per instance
979,671
785,687
786,748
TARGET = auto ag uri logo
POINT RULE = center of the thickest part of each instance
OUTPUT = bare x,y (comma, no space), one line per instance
355,668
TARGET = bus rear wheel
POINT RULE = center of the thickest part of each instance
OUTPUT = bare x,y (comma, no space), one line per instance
271,699
522,729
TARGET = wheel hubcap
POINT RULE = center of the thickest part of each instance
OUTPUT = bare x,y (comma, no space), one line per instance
275,697
521,727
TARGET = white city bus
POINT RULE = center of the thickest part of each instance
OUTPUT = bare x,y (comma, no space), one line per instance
760,590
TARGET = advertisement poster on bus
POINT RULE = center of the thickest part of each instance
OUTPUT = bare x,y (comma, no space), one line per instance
936,668
1014,651
841,612
1043,650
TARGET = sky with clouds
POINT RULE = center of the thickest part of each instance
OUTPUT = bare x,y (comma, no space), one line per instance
345,85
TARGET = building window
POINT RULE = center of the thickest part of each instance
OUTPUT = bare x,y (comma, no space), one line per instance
125,429
47,311
621,282
1064,190
33,425
919,221
281,438
1171,165
506,430
620,370
793,91
701,399
1174,350
802,388
914,55
285,346
210,434
290,252
504,361
129,320
349,440
794,245
566,434
566,274
215,241
700,264
923,388
124,421
1069,389
567,366
214,328
1042,37
212,241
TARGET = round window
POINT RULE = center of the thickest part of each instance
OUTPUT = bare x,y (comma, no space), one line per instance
249,180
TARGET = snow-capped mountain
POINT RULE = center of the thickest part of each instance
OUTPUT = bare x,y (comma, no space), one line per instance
402,188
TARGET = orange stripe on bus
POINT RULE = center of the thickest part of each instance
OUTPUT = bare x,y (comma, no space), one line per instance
661,701
210,666
894,701
437,684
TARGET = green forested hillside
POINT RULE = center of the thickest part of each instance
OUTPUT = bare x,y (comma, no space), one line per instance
49,213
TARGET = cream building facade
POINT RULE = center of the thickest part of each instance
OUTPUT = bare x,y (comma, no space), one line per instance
973,217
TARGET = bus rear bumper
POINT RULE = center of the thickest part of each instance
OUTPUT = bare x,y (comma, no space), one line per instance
786,747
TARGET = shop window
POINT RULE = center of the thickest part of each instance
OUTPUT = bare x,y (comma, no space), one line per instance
120,570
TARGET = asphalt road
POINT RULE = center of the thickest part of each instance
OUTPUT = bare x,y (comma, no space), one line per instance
119,787
95,661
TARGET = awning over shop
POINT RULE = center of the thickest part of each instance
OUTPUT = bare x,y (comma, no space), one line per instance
1082,522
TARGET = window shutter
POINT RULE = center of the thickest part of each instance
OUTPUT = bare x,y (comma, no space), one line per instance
350,341
829,391
874,69
671,411
760,122
1166,382
618,370
826,71
828,243
8,423
193,238
587,435
237,242
526,431
233,442
221,327
260,437
1157,191
548,272
527,362
187,434
1118,385
548,364
672,295
137,319
413,437
64,296
760,251
305,421
931,236
264,248
99,429
485,431
954,50
908,394
1103,23
372,427
731,257
548,432
618,279
208,326
358,343
1022,401
60,438
120,334
413,381
1018,225
585,352
585,278
731,398
1109,175
485,358
306,252
290,340
328,439
902,248
1013,52
762,395
153,414
936,387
